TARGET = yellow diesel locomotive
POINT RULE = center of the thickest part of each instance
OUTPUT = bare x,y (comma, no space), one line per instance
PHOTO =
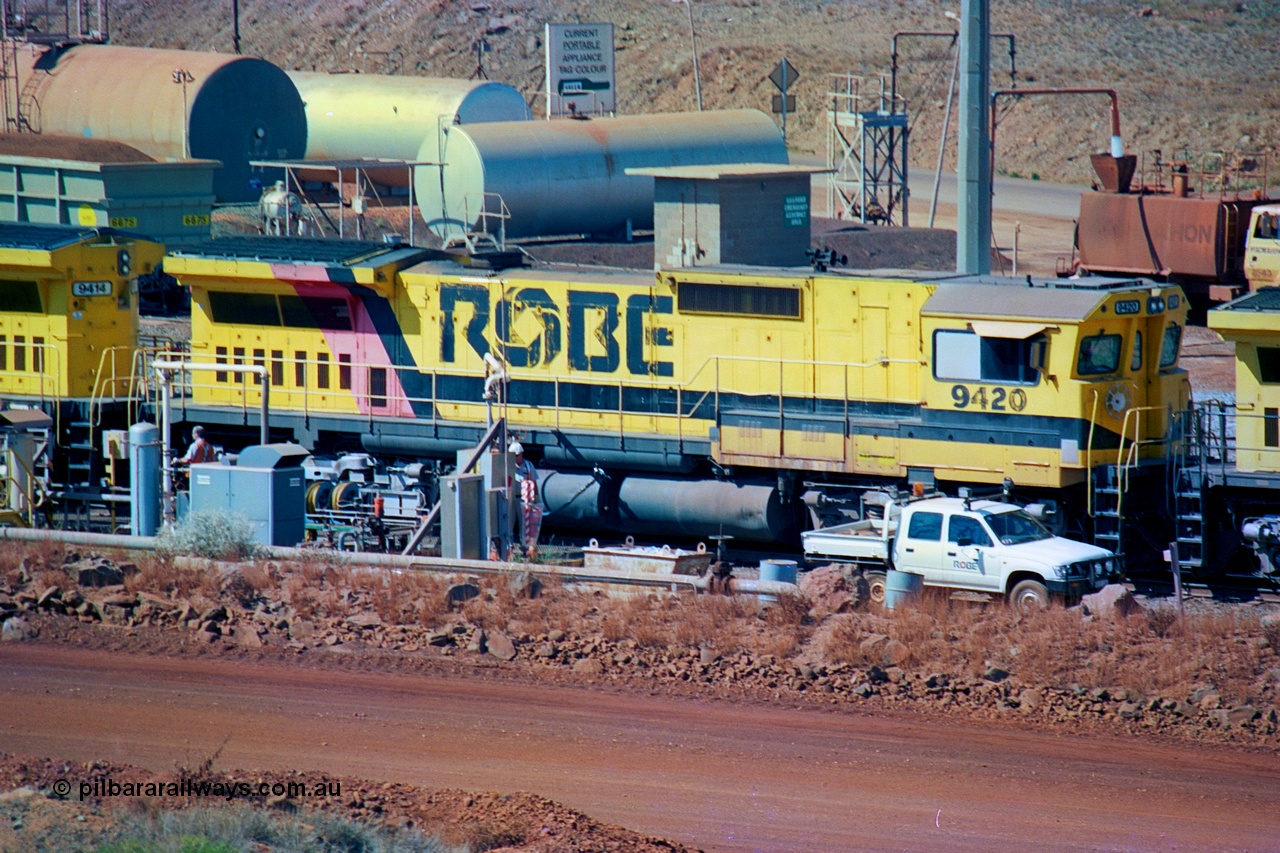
724,400
1228,487
69,341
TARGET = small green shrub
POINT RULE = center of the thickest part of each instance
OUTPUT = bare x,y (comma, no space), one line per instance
239,828
213,535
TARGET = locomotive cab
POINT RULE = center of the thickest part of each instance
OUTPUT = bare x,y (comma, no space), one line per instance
67,319
1047,380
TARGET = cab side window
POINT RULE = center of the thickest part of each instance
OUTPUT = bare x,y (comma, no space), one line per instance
968,357
962,527
1267,226
1169,346
925,525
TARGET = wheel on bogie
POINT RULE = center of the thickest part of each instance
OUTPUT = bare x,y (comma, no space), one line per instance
1029,597
875,585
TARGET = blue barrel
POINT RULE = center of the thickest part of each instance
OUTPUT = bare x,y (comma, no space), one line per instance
776,570
901,588
145,455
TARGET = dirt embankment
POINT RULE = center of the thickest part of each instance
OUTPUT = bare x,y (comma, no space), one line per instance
1133,668
1136,670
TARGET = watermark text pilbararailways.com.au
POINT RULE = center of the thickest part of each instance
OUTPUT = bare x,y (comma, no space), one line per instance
195,788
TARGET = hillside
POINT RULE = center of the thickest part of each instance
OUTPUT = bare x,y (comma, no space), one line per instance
1188,74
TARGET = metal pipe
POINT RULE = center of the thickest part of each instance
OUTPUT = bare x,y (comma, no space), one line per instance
1117,146
264,378
75,537
942,143
163,368
747,586
568,573
693,38
893,57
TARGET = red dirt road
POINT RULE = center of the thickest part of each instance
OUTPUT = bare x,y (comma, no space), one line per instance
717,775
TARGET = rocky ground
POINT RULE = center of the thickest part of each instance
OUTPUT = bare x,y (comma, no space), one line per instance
1115,666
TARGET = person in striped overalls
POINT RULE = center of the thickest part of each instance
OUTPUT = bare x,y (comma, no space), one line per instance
526,477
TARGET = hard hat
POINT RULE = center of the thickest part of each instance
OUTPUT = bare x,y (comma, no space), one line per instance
516,447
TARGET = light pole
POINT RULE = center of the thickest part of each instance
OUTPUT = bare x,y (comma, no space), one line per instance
693,39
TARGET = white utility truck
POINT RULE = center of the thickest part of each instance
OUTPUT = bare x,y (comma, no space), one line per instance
969,544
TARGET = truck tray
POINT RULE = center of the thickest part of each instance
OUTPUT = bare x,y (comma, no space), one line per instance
856,540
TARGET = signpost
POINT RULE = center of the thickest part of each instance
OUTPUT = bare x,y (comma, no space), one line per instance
782,77
581,73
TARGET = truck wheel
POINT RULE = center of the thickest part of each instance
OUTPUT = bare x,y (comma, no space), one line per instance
1029,597
875,586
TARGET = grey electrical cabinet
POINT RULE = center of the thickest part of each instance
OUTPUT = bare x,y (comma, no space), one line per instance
265,485
462,515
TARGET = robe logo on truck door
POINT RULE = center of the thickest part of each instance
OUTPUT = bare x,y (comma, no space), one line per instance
529,328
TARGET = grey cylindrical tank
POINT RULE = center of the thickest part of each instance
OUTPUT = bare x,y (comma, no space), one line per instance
144,479
232,108
702,508
396,118
569,176
573,500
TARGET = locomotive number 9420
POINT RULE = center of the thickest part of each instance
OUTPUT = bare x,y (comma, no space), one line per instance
993,399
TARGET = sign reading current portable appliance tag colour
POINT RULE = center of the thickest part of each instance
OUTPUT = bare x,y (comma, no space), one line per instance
581,74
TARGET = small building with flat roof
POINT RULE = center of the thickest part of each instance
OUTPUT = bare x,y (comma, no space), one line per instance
740,213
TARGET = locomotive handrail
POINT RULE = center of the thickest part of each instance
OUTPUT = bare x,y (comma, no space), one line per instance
163,369
1126,462
28,494
689,401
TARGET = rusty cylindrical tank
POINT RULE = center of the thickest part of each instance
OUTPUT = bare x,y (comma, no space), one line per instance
353,116
568,176
170,104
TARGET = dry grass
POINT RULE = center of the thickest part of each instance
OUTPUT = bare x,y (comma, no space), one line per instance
1156,652
1152,654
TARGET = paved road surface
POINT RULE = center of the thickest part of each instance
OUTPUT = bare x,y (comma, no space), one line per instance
1042,214
717,775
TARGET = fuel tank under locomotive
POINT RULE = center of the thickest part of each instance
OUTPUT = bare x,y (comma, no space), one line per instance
667,506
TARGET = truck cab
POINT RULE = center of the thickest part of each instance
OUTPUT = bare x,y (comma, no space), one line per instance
1262,247
997,548
985,546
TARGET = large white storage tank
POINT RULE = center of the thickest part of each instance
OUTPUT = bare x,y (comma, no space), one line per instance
568,176
169,104
380,116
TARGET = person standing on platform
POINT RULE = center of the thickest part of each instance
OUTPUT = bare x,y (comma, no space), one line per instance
526,477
